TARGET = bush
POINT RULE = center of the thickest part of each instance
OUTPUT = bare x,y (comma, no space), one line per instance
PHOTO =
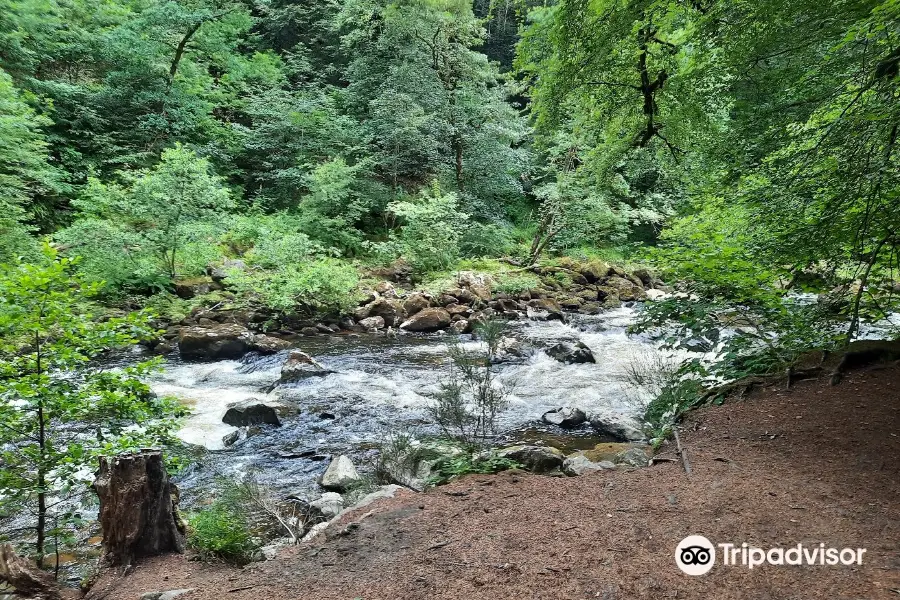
219,531
318,285
486,239
431,231
451,467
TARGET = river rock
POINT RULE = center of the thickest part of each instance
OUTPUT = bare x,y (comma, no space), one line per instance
567,417
544,309
461,326
300,365
231,438
415,303
578,464
618,427
571,353
340,474
537,459
633,457
475,283
594,271
251,412
328,506
389,309
215,342
267,344
429,319
370,323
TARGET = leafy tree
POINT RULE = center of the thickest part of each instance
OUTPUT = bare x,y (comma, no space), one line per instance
162,207
431,229
60,407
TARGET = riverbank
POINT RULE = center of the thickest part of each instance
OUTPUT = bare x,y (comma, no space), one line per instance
813,464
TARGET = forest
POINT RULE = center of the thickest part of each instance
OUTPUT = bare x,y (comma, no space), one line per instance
744,152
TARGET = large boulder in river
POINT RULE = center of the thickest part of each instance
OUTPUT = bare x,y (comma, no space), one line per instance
537,459
429,319
340,474
300,365
567,417
544,309
389,309
370,323
215,342
571,353
415,302
251,412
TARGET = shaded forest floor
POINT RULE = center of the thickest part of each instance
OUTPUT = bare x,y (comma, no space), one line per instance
813,464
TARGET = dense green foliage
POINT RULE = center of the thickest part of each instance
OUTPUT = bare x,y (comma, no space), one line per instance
751,146
60,408
220,531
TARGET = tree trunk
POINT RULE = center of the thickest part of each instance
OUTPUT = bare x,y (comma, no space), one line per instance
25,576
138,508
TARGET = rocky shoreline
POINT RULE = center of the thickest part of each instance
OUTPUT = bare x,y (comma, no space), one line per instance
394,307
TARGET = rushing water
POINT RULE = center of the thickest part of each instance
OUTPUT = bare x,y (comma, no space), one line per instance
383,383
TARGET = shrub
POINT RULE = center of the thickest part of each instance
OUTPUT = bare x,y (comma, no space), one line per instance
431,231
219,531
486,239
451,467
471,398
318,285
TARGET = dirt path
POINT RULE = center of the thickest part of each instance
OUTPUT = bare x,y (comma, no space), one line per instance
816,464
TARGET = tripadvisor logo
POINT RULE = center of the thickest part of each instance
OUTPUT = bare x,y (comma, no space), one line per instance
696,555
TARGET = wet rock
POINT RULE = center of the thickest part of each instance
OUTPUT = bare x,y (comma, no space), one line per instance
618,427
328,506
579,464
415,303
429,319
300,365
390,310
633,457
571,353
340,474
310,331
370,323
544,309
251,412
461,326
267,344
231,438
537,459
217,342
567,417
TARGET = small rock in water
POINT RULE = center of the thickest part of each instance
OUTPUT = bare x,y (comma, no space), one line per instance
567,417
571,353
250,412
340,474
300,365
372,323
231,438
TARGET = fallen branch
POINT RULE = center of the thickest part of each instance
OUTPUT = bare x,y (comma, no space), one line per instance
682,452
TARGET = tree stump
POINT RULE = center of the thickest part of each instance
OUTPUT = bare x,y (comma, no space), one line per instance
138,508
25,576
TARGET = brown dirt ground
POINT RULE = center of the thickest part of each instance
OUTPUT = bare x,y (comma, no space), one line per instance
813,464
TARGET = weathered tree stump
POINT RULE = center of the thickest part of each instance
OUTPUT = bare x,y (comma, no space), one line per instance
25,576
138,508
